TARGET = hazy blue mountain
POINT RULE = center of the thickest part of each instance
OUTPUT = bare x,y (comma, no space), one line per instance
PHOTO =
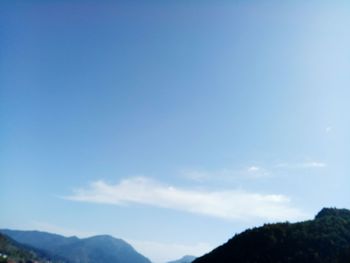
17,252
41,240
97,249
326,239
14,251
184,259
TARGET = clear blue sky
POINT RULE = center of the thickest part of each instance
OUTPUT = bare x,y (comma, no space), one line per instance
172,124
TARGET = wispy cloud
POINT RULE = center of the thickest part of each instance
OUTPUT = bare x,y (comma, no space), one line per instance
314,165
250,172
308,164
257,172
226,204
253,169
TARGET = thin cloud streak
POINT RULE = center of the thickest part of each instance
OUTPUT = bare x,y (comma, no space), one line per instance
227,175
228,204
311,164
315,165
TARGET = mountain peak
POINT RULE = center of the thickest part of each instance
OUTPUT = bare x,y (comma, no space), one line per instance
103,237
95,249
323,240
333,212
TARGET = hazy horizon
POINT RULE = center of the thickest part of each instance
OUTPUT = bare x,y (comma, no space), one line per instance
172,125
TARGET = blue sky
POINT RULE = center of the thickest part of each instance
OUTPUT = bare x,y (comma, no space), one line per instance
172,124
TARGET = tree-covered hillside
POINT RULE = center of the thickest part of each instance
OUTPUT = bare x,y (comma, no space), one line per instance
12,251
326,239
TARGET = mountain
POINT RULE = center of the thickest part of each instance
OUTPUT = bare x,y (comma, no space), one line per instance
96,249
41,240
10,249
16,252
326,239
184,259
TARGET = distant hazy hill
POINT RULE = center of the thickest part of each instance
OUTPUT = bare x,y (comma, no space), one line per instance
185,259
326,239
97,249
15,251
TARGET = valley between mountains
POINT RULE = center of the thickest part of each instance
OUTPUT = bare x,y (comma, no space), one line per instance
325,239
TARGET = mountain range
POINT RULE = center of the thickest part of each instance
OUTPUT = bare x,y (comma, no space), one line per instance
13,251
96,249
325,239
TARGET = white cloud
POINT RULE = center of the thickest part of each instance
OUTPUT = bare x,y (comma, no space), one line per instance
257,172
164,252
253,169
226,175
309,164
314,165
227,204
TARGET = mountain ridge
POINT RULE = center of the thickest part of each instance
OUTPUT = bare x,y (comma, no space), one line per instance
16,252
325,239
95,249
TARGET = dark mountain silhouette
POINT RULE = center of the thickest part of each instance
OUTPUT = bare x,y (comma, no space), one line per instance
97,249
326,239
184,259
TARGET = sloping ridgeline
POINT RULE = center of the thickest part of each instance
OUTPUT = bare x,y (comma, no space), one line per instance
16,252
326,239
184,259
97,249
